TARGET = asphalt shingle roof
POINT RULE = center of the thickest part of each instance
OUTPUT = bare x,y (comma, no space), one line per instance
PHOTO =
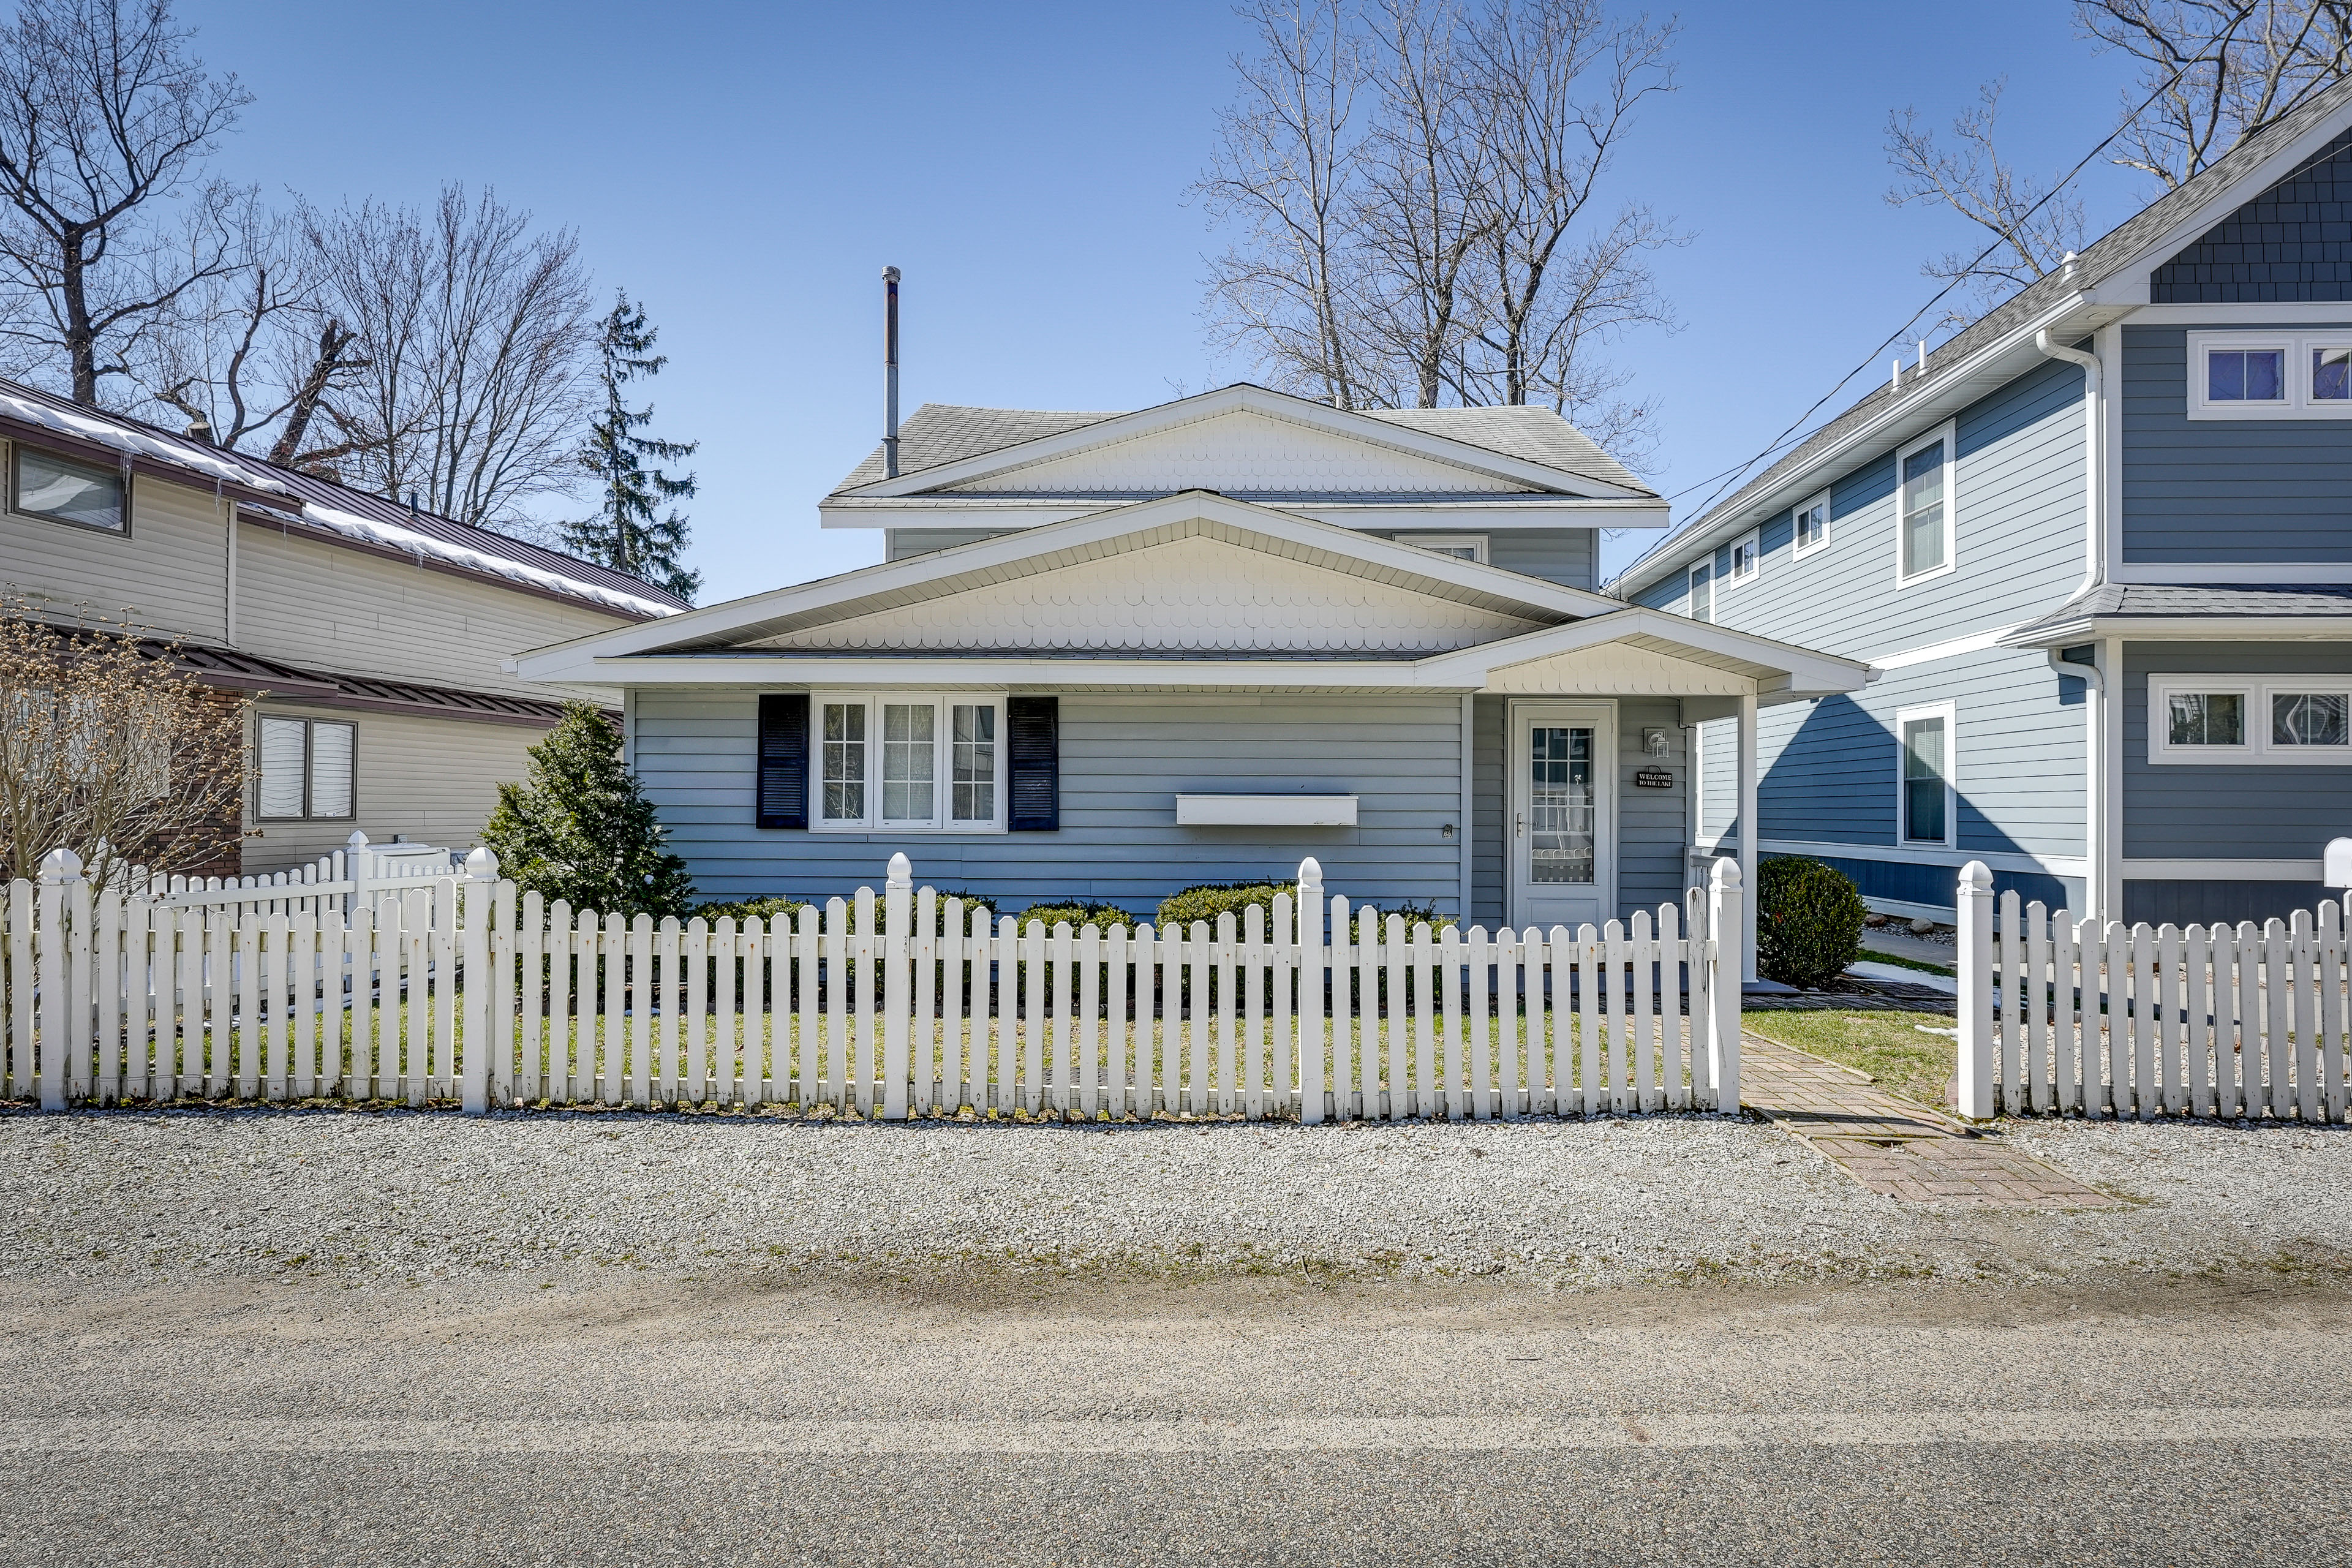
2174,601
941,433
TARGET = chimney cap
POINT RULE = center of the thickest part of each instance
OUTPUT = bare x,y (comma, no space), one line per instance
890,274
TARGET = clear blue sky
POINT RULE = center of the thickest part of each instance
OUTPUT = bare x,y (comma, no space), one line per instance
747,170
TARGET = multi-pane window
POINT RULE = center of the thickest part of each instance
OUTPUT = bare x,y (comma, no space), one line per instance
63,490
2242,718
909,762
1812,524
2270,375
308,768
1561,804
1927,777
1924,523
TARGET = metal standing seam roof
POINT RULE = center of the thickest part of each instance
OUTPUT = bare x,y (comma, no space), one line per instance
937,434
202,458
2101,260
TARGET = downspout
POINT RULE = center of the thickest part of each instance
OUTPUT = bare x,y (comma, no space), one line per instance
2099,834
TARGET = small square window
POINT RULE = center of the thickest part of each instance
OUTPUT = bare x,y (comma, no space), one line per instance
1744,559
2331,375
2309,718
1813,525
2246,375
63,490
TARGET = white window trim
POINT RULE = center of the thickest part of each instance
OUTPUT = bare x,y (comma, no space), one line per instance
2258,751
1945,432
1690,589
1950,713
1798,549
1475,542
942,742
1752,541
2298,404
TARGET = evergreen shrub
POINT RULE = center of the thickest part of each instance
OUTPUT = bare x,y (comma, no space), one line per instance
1808,921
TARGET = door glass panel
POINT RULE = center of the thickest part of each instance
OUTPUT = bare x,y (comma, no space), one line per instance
909,758
1559,804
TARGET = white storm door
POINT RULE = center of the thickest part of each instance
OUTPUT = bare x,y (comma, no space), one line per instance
1563,822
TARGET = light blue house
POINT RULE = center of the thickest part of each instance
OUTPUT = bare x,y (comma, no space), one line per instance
2099,546
1113,654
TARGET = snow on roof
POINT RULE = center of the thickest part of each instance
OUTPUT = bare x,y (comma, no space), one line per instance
352,525
130,439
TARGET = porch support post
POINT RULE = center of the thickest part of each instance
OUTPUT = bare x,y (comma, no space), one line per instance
1750,830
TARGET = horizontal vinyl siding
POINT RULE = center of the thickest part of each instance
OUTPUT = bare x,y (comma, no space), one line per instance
1123,763
2018,539
318,606
897,543
434,780
170,575
2251,811
1653,824
1562,555
2225,490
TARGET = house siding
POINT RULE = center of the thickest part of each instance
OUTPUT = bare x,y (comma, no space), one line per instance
2272,812
2292,242
1562,555
170,575
2226,491
898,543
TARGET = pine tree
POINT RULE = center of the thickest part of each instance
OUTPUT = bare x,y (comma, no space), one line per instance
582,829
625,534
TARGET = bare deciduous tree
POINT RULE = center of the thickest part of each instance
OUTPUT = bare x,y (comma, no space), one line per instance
478,342
113,753
1282,174
2031,229
105,119
1440,243
2224,68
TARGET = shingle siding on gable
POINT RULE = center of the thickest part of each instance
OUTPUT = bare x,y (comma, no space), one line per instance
2293,242
2237,491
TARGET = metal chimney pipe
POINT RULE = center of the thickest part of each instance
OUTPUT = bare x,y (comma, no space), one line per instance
891,372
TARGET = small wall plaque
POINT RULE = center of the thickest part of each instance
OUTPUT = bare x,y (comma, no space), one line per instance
1654,778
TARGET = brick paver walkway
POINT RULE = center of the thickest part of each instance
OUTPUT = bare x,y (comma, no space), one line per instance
1892,1145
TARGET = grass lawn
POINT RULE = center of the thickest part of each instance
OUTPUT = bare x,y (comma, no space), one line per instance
1887,1046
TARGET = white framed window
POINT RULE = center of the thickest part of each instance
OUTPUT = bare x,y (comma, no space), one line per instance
1746,560
910,761
1461,546
1702,591
1927,801
1925,498
307,769
1812,524
65,489
2270,375
2242,718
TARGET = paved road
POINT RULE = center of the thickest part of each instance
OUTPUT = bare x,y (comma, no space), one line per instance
637,1418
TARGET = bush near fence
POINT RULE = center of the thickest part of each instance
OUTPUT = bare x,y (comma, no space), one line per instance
888,1006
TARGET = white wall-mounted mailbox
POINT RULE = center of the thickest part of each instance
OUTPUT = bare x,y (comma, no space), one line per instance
1265,811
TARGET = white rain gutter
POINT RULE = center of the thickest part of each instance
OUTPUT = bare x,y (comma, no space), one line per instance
2099,834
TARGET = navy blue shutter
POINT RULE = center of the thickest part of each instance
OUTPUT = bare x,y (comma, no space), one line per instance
783,760
1032,727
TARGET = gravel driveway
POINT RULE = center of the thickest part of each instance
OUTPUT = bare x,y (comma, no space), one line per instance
400,1196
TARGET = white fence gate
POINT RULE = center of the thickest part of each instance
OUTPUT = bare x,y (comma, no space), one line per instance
908,1005
341,881
2066,1016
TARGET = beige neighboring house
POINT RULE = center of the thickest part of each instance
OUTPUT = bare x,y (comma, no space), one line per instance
374,636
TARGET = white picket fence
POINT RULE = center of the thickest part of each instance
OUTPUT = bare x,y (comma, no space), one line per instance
341,881
2079,1017
905,1005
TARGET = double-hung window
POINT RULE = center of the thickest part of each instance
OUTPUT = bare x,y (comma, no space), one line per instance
307,770
2240,718
1702,591
63,489
2270,375
909,762
1927,801
1924,499
1812,524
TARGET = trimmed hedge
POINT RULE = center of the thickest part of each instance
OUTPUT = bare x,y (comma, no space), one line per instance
1808,921
768,907
1077,911
1210,900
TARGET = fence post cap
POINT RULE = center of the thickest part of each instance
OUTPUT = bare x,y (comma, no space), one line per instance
1976,877
482,864
1310,870
902,871
1723,873
358,840
2335,863
60,865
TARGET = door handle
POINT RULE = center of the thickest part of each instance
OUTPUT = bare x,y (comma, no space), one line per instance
1518,825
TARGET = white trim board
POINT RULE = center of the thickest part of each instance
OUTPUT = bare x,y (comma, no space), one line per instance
1975,642
1926,854
2201,871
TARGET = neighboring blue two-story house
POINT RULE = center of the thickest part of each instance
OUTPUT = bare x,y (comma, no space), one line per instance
2098,548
